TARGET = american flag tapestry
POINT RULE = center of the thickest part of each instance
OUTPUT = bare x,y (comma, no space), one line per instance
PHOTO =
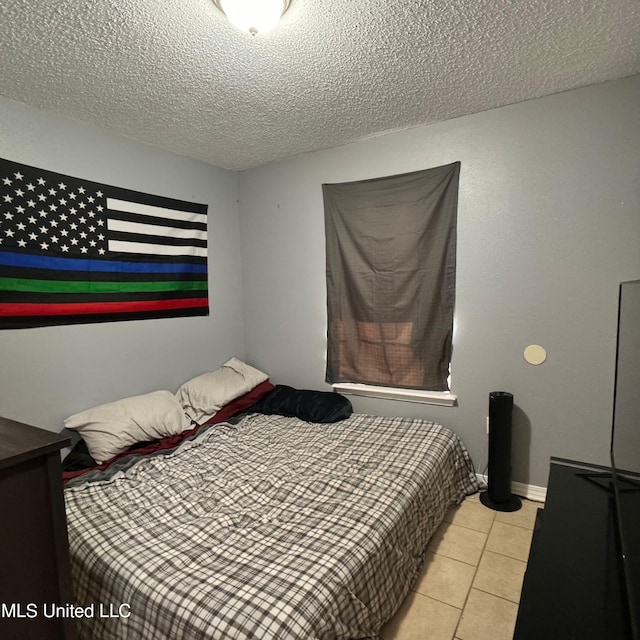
74,251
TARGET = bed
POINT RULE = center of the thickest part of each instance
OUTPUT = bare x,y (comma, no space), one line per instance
263,526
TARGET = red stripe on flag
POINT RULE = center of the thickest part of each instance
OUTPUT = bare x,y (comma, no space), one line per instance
83,308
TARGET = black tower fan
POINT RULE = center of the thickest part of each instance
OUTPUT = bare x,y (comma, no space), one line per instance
498,496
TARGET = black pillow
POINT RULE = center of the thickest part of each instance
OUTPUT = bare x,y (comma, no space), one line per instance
78,458
311,406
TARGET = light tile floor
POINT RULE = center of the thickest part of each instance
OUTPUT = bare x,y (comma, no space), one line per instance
470,584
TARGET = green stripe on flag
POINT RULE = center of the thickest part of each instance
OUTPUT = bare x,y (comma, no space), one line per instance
85,286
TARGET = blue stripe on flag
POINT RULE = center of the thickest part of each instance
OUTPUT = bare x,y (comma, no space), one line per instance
80,264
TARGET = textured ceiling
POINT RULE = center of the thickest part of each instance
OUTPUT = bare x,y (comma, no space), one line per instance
177,75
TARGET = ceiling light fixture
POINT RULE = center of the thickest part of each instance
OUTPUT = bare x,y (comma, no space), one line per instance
254,16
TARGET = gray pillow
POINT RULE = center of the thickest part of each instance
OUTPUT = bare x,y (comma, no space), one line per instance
111,428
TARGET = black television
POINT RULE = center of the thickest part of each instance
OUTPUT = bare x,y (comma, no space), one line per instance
625,445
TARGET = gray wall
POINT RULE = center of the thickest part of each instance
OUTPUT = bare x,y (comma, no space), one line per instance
549,223
48,373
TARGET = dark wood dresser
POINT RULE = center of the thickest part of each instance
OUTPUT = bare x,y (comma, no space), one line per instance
34,553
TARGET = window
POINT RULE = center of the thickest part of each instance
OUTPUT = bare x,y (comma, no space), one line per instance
391,257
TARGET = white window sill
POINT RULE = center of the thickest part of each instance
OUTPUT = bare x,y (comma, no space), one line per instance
443,398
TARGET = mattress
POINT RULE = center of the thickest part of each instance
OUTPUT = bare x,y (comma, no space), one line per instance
263,527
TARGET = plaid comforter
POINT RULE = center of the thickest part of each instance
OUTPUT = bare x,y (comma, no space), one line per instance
268,528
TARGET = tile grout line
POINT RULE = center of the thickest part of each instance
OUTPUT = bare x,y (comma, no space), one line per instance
498,553
498,521
520,526
475,573
495,595
504,555
448,604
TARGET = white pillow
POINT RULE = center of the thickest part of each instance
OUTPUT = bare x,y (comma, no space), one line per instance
111,428
202,397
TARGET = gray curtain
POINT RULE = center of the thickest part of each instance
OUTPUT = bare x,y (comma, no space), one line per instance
391,262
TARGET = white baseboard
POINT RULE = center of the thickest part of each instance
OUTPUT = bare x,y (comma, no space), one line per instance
528,491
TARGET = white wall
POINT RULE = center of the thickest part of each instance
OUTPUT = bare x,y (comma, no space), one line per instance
50,373
549,223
